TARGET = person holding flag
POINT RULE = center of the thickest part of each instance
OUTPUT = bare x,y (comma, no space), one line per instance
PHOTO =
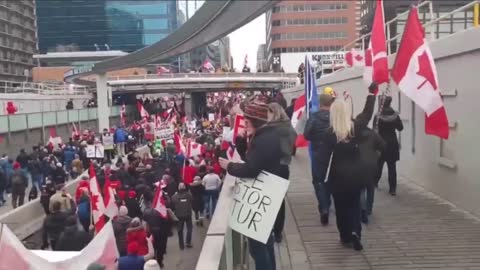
350,163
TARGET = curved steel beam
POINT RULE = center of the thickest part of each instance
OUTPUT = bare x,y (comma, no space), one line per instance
212,21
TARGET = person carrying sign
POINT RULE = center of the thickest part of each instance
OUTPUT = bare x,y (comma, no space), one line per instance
270,151
107,141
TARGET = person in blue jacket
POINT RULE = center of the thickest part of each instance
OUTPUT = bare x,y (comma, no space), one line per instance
68,157
120,138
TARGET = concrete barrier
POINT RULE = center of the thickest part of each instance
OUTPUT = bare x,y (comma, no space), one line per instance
27,219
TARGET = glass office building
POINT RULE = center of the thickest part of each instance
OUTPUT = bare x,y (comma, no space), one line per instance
89,25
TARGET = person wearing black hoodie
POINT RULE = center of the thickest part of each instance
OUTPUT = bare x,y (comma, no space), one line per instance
73,238
388,123
53,226
353,155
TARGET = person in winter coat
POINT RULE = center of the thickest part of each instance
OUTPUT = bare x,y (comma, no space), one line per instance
267,151
182,206
46,192
67,205
120,225
84,210
355,149
188,173
132,205
35,169
77,167
68,157
212,183
58,174
19,185
23,158
316,128
120,138
53,226
136,233
388,123
6,165
72,238
3,186
278,118
132,260
83,184
197,189
158,227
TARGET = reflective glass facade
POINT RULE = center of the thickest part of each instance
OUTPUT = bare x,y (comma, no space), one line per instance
126,25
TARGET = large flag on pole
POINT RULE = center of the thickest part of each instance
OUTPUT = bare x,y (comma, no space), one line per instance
111,209
96,201
376,61
142,111
416,76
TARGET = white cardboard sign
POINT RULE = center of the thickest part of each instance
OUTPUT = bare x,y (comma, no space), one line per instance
255,205
107,142
164,133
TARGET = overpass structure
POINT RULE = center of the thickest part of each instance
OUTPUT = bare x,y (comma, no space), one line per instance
200,82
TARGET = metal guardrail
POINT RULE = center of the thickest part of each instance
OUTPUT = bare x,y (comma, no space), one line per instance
25,121
10,87
203,75
431,26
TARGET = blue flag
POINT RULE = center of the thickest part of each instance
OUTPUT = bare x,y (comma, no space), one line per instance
311,97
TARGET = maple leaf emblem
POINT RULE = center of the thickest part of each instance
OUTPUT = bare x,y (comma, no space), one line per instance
425,70
358,57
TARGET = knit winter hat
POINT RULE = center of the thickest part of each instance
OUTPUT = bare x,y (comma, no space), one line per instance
256,111
151,265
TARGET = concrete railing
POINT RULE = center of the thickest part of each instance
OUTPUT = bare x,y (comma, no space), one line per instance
28,218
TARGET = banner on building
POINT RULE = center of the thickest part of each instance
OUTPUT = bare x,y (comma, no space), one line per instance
255,205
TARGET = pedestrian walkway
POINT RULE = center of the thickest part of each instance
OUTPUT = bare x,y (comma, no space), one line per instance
414,230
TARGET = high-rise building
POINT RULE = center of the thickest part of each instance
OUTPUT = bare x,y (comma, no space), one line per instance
262,64
314,28
394,8
18,39
89,25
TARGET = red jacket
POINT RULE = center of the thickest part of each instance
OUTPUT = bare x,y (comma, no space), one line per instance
217,169
188,173
138,235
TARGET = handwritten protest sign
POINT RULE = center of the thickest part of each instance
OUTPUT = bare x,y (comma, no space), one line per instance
255,205
107,142
164,133
90,149
95,151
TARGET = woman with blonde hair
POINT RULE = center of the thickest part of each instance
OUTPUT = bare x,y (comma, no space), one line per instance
353,156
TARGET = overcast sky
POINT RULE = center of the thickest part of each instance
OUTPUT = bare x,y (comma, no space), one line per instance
243,41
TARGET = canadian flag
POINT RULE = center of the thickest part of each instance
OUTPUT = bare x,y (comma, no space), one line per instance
141,109
194,149
416,76
377,50
159,202
111,209
54,140
74,130
238,126
177,139
355,58
299,120
96,200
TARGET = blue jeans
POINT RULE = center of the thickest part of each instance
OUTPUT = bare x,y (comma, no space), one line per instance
321,191
210,198
262,254
37,181
366,198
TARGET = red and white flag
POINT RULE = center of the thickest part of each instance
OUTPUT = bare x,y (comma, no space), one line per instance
238,126
141,109
111,209
159,203
355,58
96,199
208,66
180,147
299,120
416,76
194,149
377,50
161,70
123,114
74,130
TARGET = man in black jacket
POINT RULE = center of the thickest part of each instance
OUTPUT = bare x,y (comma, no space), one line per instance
316,128
158,227
53,226
73,238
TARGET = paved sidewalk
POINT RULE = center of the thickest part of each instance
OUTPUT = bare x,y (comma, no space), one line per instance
414,230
